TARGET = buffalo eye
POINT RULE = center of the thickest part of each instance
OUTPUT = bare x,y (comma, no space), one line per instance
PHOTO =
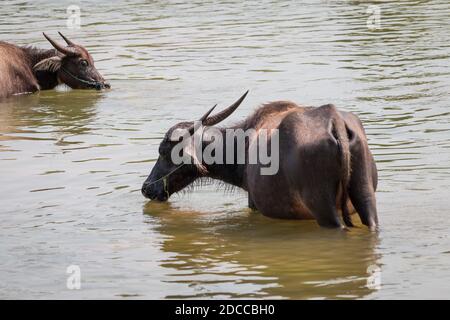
84,63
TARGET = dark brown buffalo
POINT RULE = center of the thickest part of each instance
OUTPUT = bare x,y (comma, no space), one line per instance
28,69
325,167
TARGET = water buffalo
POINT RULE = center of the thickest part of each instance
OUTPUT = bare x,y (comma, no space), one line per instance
325,165
29,69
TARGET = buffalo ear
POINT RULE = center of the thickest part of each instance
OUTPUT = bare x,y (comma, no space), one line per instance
51,64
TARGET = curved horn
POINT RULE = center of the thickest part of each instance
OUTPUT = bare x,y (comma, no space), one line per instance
70,43
215,119
205,116
202,119
57,46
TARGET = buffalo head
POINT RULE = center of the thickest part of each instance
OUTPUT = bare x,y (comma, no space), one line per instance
73,65
170,175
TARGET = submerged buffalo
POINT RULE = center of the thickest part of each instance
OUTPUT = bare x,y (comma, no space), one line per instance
325,165
29,69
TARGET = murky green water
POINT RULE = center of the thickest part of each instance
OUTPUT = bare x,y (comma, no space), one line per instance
72,162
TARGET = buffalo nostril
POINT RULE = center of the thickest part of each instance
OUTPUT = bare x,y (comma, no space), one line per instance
144,189
107,85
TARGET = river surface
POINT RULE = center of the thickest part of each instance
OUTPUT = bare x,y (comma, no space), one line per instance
72,162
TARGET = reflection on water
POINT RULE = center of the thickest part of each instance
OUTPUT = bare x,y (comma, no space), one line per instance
66,112
243,254
72,162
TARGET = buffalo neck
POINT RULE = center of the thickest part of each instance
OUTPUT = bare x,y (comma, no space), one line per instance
231,173
46,79
35,55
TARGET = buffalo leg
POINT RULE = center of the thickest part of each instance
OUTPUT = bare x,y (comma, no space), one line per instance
251,204
325,213
362,186
364,203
